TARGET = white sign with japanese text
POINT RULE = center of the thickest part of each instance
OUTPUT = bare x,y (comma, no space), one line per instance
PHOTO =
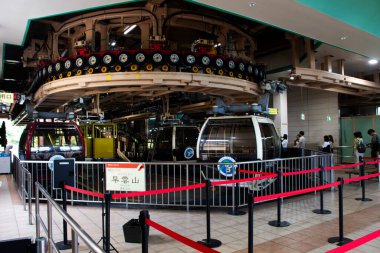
125,177
6,98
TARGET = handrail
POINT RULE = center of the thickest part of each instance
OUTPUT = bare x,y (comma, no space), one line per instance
28,192
24,185
76,228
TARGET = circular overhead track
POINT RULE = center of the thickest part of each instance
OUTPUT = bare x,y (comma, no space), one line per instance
143,85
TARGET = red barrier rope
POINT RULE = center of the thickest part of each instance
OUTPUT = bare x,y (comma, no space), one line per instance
95,194
160,191
371,158
375,162
301,172
234,181
356,243
349,180
343,166
179,237
293,193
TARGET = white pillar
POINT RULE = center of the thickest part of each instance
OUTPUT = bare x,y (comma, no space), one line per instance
280,101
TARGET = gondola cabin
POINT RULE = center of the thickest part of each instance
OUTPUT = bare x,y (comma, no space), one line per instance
100,140
176,143
42,140
243,138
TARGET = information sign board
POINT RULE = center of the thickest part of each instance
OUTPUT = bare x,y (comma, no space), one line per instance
125,177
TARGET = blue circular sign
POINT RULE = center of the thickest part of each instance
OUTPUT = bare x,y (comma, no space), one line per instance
227,170
189,153
51,161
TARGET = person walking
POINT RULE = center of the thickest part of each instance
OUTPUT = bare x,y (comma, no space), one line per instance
374,145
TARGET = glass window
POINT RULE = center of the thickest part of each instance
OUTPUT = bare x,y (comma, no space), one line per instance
228,137
101,131
163,149
186,137
49,136
271,141
164,139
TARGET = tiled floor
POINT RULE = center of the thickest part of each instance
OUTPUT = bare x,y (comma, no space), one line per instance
308,232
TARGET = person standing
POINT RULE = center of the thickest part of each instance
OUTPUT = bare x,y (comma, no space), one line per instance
331,140
358,150
296,142
284,145
374,145
284,142
326,146
302,140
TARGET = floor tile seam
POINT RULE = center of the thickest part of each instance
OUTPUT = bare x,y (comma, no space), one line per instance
323,224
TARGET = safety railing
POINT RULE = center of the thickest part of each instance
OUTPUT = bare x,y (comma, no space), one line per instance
76,230
145,221
23,179
89,177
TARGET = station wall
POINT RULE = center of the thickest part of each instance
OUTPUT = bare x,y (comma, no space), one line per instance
321,115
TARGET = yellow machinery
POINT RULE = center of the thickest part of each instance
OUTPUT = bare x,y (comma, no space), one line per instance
87,136
100,139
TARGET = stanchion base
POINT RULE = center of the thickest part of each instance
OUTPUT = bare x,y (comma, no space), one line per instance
337,240
236,212
321,211
212,243
63,246
279,224
363,199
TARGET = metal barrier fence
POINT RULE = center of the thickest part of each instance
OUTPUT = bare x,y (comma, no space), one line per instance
23,179
76,230
90,176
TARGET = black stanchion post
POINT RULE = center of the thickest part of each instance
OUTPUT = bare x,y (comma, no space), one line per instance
211,243
107,198
106,219
321,182
236,210
362,182
144,214
341,240
278,222
65,244
250,222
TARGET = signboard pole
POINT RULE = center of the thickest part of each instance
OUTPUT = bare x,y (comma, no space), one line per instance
65,244
144,214
106,217
107,198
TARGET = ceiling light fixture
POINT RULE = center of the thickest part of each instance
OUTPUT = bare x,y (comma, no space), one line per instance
113,43
343,38
129,28
252,4
372,61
